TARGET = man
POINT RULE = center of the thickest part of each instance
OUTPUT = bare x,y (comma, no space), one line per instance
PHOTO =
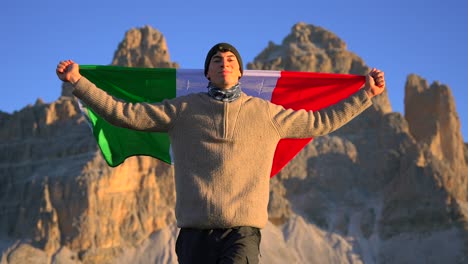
223,143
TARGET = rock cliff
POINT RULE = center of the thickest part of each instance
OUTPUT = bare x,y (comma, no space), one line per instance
143,47
434,123
386,188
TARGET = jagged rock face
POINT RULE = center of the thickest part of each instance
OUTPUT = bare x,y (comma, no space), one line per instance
431,113
39,145
309,48
418,201
143,47
29,135
434,123
123,205
51,166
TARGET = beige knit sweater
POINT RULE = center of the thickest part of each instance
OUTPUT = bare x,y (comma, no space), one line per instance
222,151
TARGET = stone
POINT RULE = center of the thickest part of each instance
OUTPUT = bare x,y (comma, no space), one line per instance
25,253
143,47
433,119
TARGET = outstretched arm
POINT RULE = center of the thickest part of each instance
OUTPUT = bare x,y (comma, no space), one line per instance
137,116
301,123
68,71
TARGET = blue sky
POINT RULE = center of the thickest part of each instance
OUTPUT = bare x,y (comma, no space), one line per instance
427,38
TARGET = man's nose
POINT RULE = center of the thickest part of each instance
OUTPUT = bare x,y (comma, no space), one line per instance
223,62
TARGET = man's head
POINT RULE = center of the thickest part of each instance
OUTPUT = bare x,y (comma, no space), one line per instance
223,65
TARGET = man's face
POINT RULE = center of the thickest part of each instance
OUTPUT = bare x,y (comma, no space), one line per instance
224,70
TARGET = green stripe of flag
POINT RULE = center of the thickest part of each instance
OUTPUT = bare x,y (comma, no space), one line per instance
132,85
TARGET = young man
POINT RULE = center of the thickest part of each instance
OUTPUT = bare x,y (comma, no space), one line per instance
223,143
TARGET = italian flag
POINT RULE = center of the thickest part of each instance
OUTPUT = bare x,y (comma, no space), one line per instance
296,90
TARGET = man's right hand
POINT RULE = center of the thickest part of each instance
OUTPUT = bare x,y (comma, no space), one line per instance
68,71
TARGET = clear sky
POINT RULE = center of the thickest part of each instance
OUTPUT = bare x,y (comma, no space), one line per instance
428,38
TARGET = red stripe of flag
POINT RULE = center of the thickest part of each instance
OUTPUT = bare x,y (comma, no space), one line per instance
309,91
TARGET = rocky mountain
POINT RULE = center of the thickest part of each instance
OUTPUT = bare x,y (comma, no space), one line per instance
385,188
144,47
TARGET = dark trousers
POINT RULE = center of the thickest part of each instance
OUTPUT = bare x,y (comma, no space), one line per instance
230,245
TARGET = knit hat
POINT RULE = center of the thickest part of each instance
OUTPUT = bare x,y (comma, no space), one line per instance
223,47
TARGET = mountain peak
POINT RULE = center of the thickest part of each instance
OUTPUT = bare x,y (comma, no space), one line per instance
143,47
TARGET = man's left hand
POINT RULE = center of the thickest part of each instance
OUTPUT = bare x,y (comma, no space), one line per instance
375,83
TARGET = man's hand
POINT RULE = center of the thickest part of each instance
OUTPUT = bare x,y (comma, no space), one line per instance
375,83
68,71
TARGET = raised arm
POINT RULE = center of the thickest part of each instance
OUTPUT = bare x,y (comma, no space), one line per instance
137,116
303,124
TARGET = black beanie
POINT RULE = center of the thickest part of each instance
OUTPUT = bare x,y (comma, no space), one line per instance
223,47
